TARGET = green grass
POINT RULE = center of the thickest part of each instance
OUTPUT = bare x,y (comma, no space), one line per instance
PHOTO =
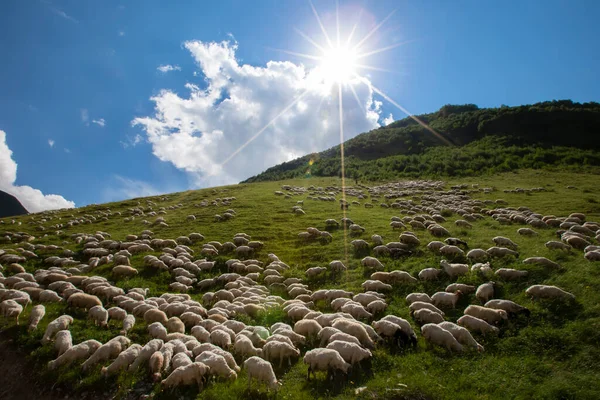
552,354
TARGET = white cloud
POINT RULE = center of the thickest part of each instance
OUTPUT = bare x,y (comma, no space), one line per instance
99,122
32,199
51,142
166,68
198,132
122,188
388,120
85,116
132,141
67,151
59,12
121,33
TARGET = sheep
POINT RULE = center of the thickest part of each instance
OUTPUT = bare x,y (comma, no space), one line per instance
128,323
307,327
593,255
124,271
376,306
321,359
275,349
123,360
217,364
511,274
344,337
117,313
424,297
509,306
477,255
445,299
500,252
145,353
464,288
157,331
396,328
489,315
462,335
503,241
401,276
49,296
174,324
418,305
454,270
155,315
426,316
356,310
198,349
63,341
83,300
244,347
355,329
313,272
352,353
435,334
542,261
200,333
435,246
261,370
99,315
463,224
371,262
297,339
485,292
220,338
59,324
555,245
477,325
526,232
549,292
180,360
35,316
187,375
107,351
337,266
81,351
156,365
451,251
375,285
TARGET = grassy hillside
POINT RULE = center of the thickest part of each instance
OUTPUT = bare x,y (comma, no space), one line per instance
552,354
488,140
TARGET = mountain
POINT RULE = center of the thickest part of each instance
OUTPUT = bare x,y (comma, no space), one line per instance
10,206
471,141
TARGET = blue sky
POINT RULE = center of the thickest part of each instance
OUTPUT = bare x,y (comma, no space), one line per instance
102,101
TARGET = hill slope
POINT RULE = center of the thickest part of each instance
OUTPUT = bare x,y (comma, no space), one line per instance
551,353
556,133
10,206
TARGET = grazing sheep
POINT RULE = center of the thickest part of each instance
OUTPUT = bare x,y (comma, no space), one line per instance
435,334
352,353
454,270
445,299
511,274
475,324
117,313
500,252
145,353
217,364
555,245
549,292
244,347
396,328
503,241
509,306
355,329
526,232
124,271
63,341
321,359
371,262
123,360
542,261
180,360
489,315
462,335
464,288
107,351
477,255
485,292
220,338
307,327
376,306
418,305
425,316
99,315
261,370
279,350
49,296
59,324
79,352
174,324
83,300
190,374
36,315
128,323
312,272
157,331
375,285
155,315
424,297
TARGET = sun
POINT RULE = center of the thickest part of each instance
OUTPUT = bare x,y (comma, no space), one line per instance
338,65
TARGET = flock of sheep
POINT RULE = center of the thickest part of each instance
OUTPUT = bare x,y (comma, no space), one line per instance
192,340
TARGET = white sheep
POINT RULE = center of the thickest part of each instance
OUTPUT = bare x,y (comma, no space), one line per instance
180,360
352,353
542,261
555,245
79,352
279,350
59,324
464,288
418,305
445,299
107,351
35,316
355,329
121,271
454,270
477,255
526,232
99,315
261,370
123,360
462,335
549,292
187,375
504,241
426,316
507,305
217,364
376,306
451,251
510,274
49,296
435,334
312,272
307,327
174,324
475,324
244,347
489,315
371,262
220,338
117,313
10,308
375,285
321,359
485,292
429,274
145,353
500,252
424,297
63,341
128,323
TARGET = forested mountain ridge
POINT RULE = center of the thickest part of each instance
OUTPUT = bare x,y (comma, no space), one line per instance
552,133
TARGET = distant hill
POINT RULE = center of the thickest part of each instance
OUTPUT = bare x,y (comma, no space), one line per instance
10,206
483,140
